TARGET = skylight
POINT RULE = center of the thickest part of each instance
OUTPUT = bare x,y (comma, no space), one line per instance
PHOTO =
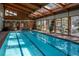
50,6
32,15
42,10
37,13
10,13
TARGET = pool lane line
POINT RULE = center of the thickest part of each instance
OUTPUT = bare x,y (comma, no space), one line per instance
68,54
58,37
19,45
34,44
56,48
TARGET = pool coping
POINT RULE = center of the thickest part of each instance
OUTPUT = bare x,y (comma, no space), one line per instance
3,39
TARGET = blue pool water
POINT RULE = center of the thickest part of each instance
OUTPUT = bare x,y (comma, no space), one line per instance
32,43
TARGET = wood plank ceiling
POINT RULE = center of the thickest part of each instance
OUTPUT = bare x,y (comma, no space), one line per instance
22,9
35,10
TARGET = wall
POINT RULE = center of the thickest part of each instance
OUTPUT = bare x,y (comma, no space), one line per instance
26,24
30,24
1,16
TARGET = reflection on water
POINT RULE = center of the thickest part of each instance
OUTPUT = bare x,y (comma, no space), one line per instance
13,48
74,49
68,47
13,52
12,35
12,42
21,42
28,49
26,52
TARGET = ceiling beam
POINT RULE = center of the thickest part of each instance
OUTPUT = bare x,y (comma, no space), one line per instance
40,4
15,9
36,4
34,15
42,14
71,5
47,9
25,7
14,18
30,6
19,7
60,5
60,9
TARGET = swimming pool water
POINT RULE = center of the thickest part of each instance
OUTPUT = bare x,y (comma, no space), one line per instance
32,43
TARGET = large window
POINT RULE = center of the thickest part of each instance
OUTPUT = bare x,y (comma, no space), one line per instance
49,24
38,23
62,25
45,25
42,25
58,25
75,25
10,13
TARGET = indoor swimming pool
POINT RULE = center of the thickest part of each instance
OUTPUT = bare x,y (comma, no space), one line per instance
33,43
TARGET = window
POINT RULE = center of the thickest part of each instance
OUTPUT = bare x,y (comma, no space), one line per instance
44,11
1,14
10,13
75,25
64,25
58,25
39,25
51,6
45,25
42,25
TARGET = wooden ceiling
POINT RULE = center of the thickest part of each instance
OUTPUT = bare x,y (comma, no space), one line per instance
25,10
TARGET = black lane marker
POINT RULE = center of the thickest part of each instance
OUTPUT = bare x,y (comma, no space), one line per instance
19,45
34,44
56,48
